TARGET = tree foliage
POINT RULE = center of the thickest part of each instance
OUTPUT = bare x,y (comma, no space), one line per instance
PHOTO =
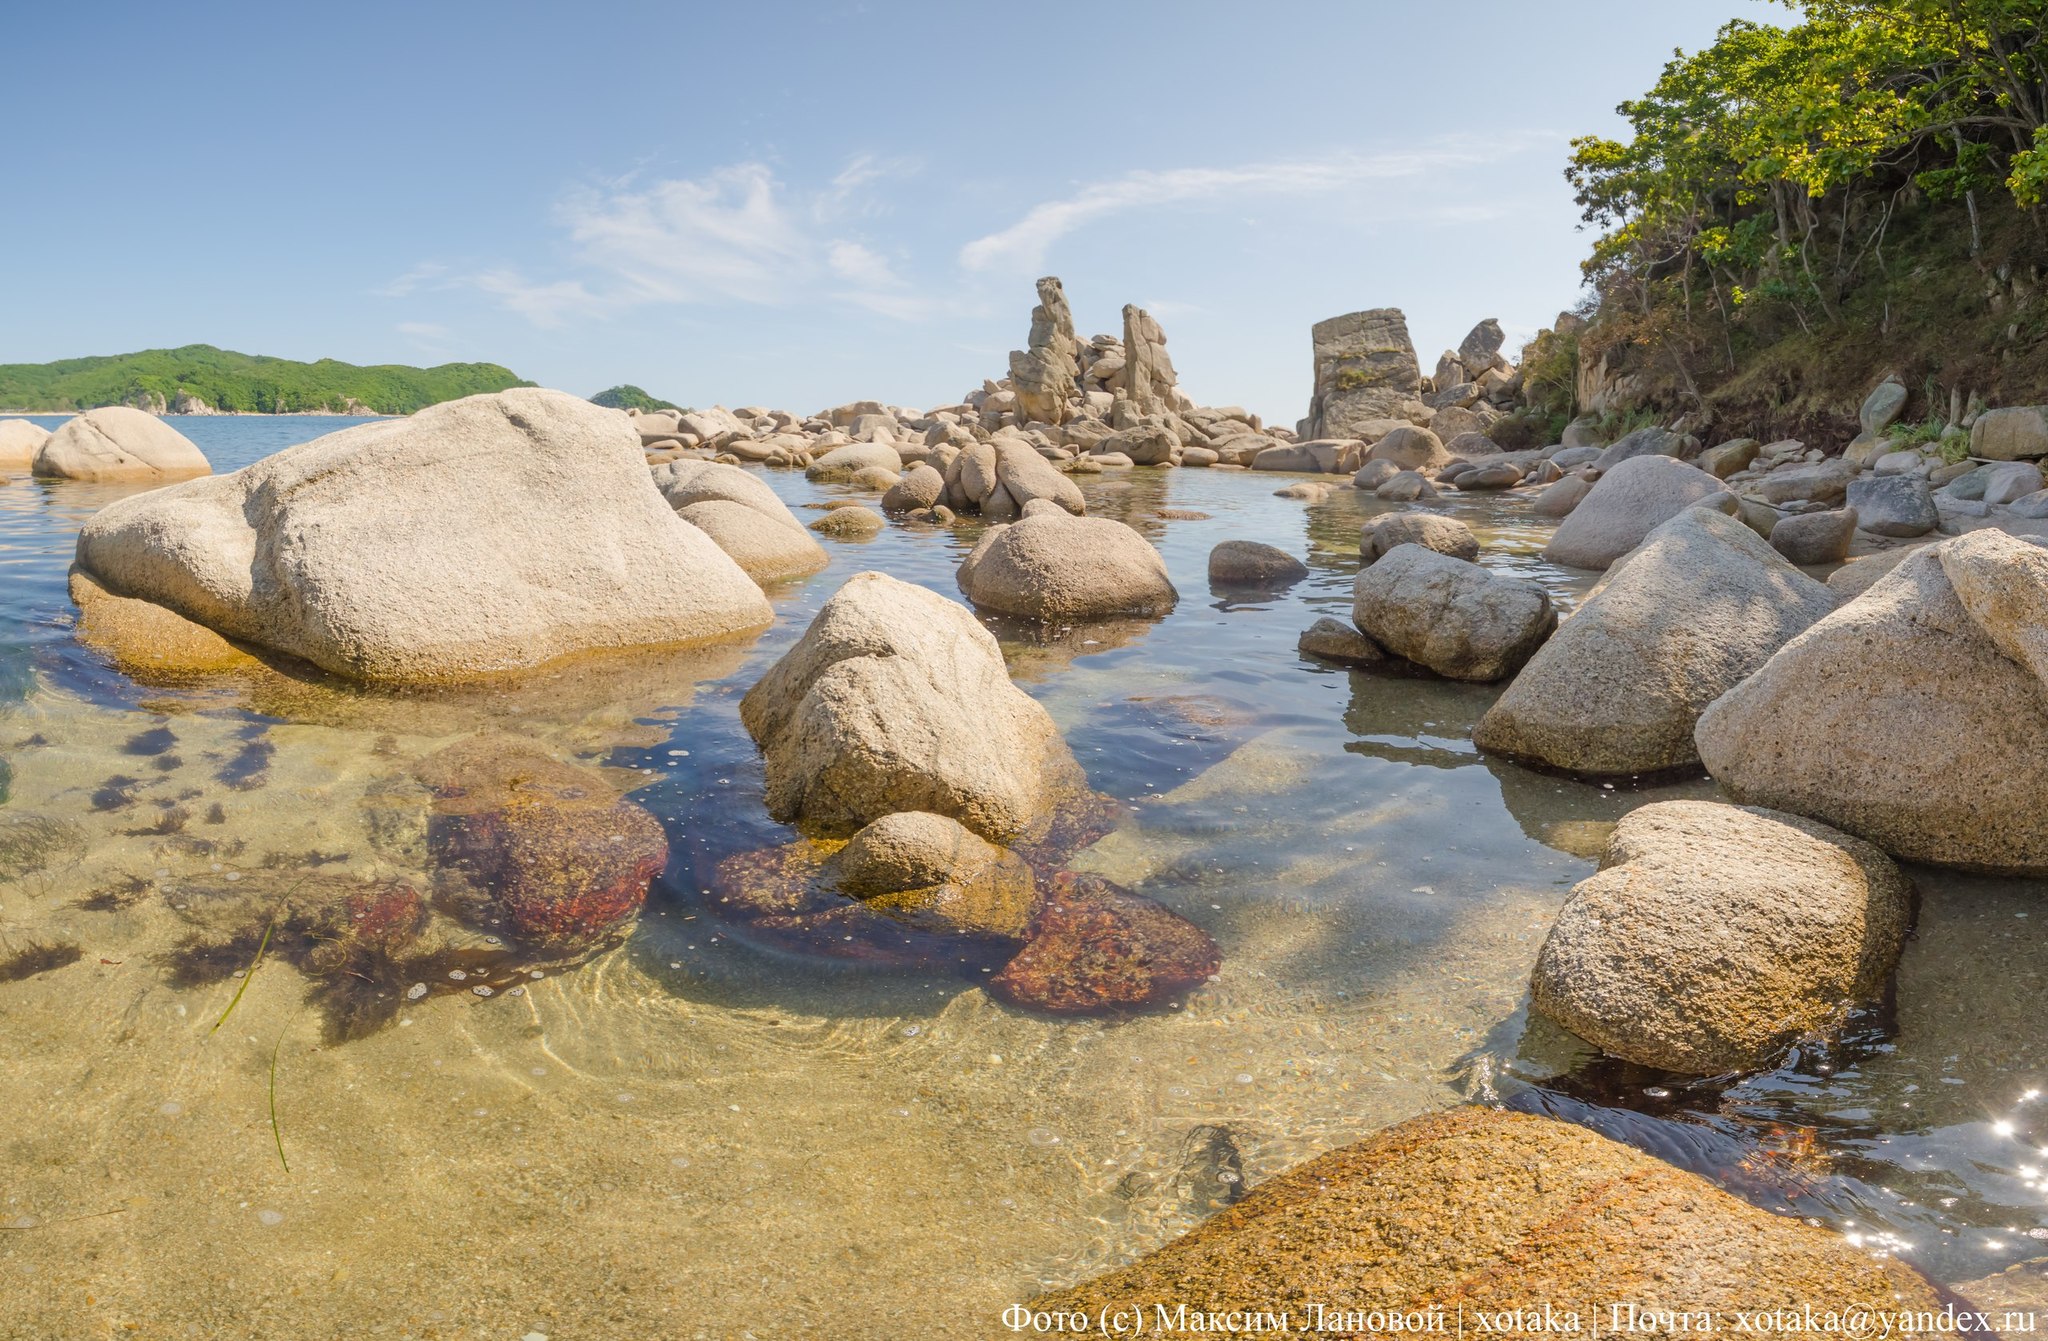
244,383
626,396
1764,173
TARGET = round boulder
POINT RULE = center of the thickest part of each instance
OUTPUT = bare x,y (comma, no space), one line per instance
118,443
1714,937
920,487
1629,501
19,442
1913,716
1445,535
1495,1210
1062,568
1248,563
1451,615
897,699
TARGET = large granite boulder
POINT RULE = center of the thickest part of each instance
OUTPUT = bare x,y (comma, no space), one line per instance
1253,563
1365,369
1505,1214
1450,615
743,517
1025,476
1643,442
1913,716
20,440
897,699
2016,434
1624,506
1411,448
1812,538
1057,568
118,443
1618,689
921,487
481,535
1893,505
1714,937
841,464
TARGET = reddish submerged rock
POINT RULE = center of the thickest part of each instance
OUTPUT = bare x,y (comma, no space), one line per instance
546,847
1095,948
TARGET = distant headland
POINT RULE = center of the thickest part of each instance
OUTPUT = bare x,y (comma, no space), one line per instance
200,379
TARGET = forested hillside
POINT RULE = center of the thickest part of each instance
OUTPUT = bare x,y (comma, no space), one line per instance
246,383
1800,210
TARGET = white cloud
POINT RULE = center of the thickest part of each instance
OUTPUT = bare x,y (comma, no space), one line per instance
726,235
1023,244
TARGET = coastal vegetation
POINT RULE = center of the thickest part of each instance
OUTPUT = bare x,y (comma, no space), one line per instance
1800,210
626,396
223,380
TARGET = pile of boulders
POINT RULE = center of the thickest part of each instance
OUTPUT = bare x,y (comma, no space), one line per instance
113,444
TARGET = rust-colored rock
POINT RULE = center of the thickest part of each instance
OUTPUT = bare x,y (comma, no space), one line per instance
1096,948
1491,1212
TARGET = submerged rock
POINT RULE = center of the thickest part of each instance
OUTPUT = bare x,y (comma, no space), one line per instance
1618,689
1497,1211
1333,640
1911,717
548,848
933,873
855,523
116,442
1096,948
481,535
897,699
1715,937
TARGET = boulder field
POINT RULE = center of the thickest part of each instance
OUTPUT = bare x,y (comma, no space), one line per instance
561,546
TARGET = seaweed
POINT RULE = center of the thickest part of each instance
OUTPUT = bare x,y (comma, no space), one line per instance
36,957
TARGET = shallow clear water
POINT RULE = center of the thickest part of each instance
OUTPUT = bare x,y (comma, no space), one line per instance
693,1135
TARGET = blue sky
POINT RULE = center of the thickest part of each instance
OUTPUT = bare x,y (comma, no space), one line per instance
801,204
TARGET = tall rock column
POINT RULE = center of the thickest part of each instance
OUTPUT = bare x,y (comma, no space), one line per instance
1150,384
1047,375
1365,369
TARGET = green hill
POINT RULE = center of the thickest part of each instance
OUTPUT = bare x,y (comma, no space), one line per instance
626,396
247,383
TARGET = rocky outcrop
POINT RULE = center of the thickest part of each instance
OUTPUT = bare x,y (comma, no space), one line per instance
934,874
19,442
1365,369
1056,568
1150,384
1715,937
1624,506
1618,689
117,443
1451,615
1911,717
1046,374
1502,1213
478,536
897,699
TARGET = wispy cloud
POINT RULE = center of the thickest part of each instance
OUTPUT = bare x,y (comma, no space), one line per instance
738,234
1024,244
402,286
